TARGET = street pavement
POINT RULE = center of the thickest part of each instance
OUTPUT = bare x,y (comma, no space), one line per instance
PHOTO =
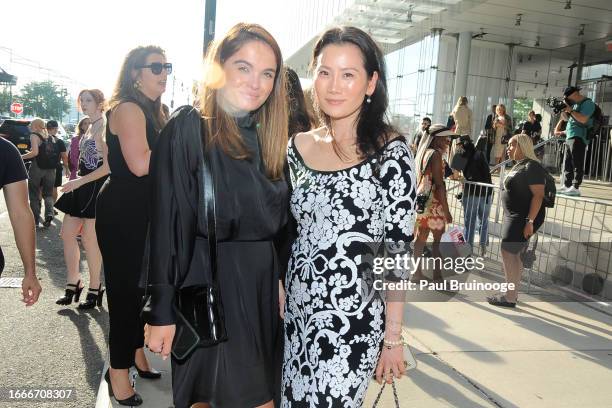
542,354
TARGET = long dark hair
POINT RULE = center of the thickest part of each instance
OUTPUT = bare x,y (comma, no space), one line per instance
125,89
299,114
373,128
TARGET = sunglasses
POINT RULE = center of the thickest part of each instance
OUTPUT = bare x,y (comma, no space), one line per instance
157,67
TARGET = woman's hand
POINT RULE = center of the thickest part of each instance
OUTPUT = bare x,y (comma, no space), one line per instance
71,185
159,339
391,364
281,300
528,230
448,216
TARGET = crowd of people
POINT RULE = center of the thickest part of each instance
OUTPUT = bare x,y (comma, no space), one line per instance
258,202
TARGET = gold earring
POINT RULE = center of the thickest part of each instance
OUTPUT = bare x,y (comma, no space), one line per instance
137,84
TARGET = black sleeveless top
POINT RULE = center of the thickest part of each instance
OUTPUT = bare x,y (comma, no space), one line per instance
118,166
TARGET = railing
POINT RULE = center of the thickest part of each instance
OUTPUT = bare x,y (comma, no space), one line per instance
597,160
572,248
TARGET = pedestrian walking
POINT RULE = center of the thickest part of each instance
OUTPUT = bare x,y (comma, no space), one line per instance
78,203
133,124
13,183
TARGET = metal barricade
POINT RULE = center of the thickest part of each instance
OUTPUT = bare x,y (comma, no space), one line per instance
573,248
598,157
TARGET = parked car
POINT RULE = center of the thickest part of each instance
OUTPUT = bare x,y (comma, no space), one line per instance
17,131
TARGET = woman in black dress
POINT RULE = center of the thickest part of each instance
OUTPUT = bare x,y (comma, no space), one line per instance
244,114
524,213
134,121
78,203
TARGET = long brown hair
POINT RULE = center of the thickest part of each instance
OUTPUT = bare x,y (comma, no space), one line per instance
125,89
271,117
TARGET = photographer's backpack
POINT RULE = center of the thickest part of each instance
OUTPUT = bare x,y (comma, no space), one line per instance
597,117
48,153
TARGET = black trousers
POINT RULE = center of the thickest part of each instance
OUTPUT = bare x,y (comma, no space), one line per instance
573,166
121,227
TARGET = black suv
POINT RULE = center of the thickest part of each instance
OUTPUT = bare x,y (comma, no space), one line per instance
17,132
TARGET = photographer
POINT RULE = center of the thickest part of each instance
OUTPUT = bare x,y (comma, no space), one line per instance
476,199
577,114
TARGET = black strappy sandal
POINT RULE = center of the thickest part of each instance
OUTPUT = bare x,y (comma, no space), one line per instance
73,293
500,300
93,299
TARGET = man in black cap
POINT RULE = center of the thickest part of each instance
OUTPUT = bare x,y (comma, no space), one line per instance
52,128
578,116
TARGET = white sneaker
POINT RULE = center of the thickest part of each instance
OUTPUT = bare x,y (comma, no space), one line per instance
563,190
572,191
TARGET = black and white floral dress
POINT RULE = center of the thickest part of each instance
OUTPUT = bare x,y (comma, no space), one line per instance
333,329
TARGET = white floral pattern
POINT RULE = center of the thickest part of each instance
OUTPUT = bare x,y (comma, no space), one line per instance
333,330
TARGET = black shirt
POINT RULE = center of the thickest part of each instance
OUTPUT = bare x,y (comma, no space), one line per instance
531,128
516,195
489,121
12,168
477,170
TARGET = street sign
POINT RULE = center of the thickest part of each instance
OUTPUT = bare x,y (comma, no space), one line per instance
17,108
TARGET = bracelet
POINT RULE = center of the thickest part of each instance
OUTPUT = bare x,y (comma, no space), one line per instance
392,344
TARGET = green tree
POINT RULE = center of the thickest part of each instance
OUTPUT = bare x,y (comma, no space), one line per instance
520,109
45,99
6,100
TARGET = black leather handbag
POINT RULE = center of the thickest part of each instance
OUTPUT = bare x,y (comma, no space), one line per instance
200,319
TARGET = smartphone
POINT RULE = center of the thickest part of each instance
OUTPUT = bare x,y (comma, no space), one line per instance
186,338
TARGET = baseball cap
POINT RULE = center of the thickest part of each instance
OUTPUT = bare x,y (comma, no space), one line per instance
570,90
52,124
441,130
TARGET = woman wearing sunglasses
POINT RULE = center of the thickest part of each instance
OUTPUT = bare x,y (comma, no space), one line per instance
241,126
133,124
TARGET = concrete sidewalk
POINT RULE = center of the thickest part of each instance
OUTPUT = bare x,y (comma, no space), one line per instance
471,354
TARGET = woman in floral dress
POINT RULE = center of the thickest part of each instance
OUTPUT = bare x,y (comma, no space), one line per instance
430,182
352,184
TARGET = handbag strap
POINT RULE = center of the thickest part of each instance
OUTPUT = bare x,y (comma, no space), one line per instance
397,405
210,216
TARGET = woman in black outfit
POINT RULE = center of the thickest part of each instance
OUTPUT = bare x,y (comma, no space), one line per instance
134,121
244,132
78,203
524,213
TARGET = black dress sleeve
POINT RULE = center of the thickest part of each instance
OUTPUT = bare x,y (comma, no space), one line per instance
174,184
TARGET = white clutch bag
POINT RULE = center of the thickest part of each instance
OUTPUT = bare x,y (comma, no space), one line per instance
411,362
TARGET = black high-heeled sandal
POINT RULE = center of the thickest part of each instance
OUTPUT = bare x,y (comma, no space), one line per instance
149,375
133,401
93,299
70,294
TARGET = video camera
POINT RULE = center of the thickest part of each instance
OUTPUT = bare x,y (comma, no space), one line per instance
557,104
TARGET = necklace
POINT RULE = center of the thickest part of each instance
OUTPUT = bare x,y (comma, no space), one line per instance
93,130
